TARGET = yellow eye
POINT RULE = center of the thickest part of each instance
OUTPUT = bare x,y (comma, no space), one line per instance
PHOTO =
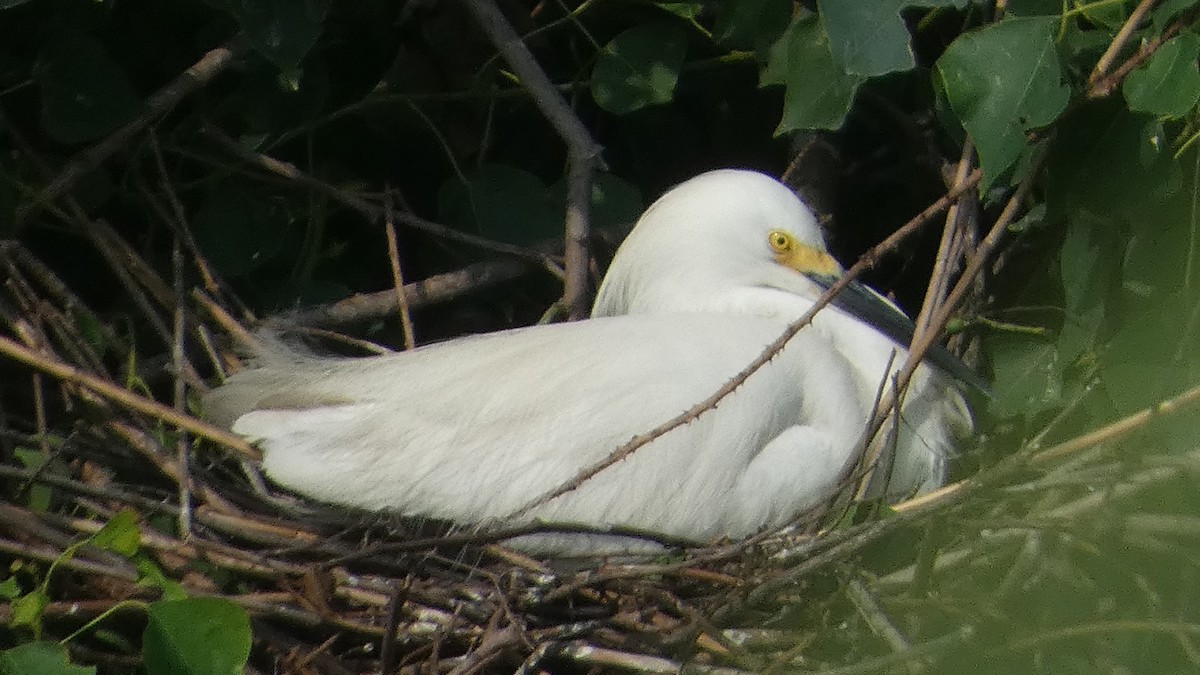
781,242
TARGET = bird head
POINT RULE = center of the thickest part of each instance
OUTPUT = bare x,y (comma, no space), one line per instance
713,243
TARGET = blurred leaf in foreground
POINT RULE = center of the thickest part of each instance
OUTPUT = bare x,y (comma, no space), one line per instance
196,635
40,658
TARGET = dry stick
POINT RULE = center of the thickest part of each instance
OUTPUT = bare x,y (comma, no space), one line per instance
66,298
125,398
50,321
256,603
1105,85
943,269
368,209
406,322
103,492
1119,429
1107,433
435,289
179,329
222,555
141,440
53,555
244,338
1118,42
877,619
182,445
128,267
583,153
935,296
158,104
866,261
923,341
177,220
610,659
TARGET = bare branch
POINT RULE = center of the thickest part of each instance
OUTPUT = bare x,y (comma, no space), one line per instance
583,154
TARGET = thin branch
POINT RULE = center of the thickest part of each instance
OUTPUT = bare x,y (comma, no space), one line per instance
389,228
583,153
158,104
603,658
880,623
125,398
179,331
922,341
944,265
369,210
1107,84
417,294
1120,428
1118,42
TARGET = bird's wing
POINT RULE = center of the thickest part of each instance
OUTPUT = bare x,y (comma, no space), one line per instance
472,429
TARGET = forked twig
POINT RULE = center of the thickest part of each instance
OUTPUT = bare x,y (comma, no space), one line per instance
583,153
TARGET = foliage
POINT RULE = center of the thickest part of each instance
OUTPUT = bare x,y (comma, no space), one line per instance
183,635
272,174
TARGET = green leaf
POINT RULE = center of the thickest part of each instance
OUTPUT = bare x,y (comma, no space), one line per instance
1168,84
1162,250
239,231
752,24
119,535
683,10
870,38
1110,161
209,636
7,4
817,92
10,588
268,102
1088,265
500,202
150,575
40,658
1151,355
1034,7
1110,15
84,93
1028,376
1165,11
1001,81
27,610
283,31
639,67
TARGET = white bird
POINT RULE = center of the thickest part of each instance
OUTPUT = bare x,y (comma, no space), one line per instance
472,429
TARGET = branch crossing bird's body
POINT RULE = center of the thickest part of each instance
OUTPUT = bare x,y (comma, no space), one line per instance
471,430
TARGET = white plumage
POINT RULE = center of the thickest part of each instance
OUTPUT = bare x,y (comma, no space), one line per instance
471,430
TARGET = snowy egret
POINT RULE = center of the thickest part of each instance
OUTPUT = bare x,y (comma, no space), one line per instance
470,430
